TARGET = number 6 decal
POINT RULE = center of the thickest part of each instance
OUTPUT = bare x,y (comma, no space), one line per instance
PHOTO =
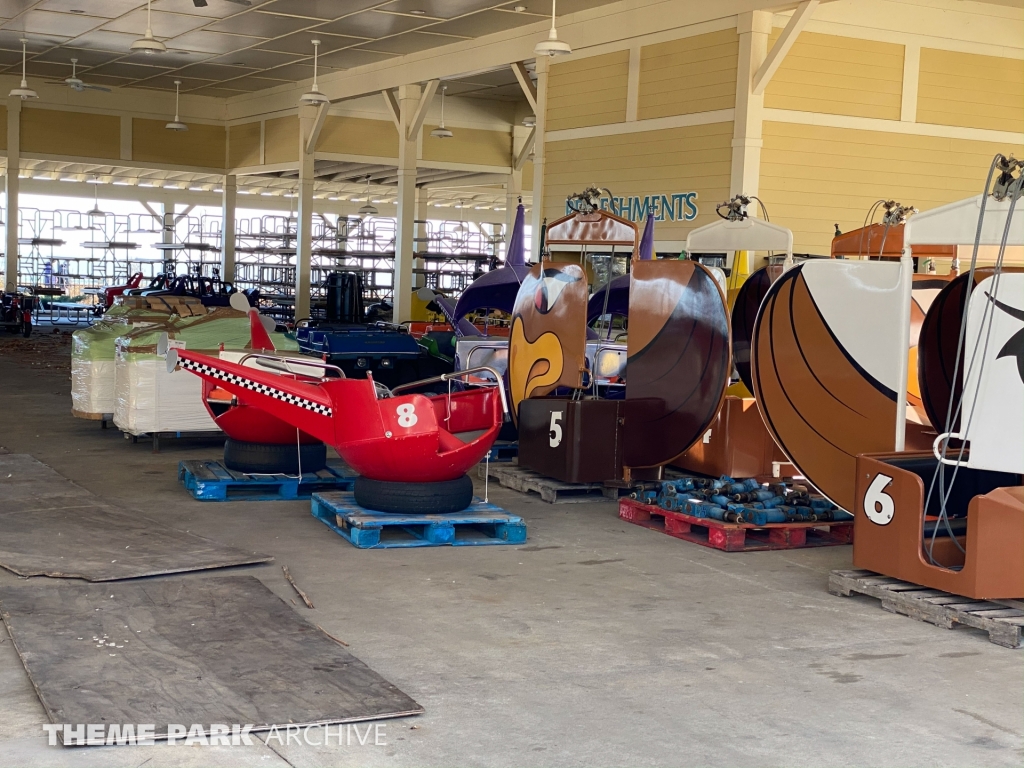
878,505
555,433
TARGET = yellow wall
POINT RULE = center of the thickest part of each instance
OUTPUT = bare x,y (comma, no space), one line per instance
813,176
281,140
243,145
73,134
469,145
969,90
694,74
838,76
528,176
676,160
357,136
201,145
590,91
3,127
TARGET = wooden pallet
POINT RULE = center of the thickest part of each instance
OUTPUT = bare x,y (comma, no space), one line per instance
735,537
1002,622
212,481
550,490
481,524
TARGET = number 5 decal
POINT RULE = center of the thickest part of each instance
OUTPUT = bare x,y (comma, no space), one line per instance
878,505
555,433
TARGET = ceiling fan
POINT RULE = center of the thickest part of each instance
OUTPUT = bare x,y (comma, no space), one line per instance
203,3
75,83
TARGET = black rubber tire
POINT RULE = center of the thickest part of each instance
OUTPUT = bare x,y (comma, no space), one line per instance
273,459
414,498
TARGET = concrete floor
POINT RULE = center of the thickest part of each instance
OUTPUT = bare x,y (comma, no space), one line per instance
596,643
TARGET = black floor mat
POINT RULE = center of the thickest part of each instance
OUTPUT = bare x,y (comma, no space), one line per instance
51,527
187,651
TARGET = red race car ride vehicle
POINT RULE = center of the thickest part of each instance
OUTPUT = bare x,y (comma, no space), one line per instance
412,452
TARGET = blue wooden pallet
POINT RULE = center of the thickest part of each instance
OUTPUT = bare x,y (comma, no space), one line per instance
481,524
212,481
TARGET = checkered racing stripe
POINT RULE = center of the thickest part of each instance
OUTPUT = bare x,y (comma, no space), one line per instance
255,386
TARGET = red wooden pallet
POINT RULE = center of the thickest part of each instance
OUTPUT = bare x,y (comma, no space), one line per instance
735,537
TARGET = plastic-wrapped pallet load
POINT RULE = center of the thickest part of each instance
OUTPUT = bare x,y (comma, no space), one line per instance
92,359
148,398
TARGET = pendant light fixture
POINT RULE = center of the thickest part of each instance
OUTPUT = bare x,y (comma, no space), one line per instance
313,95
369,209
552,46
23,90
176,124
461,227
441,132
96,212
148,44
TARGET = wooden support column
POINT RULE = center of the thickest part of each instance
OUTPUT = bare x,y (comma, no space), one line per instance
227,245
537,213
304,244
408,142
753,28
11,214
514,186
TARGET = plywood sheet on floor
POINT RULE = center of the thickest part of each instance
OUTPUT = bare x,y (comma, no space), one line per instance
188,650
51,527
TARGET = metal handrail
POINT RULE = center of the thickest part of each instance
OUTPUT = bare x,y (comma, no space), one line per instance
458,375
280,363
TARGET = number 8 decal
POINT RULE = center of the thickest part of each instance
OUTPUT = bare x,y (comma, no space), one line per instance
878,505
407,415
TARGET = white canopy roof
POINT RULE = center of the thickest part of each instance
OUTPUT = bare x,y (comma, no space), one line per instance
746,235
957,224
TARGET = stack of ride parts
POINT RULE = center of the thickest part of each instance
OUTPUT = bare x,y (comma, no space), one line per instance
742,501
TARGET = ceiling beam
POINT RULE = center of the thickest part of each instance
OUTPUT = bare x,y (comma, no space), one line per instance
421,109
775,56
524,153
529,89
318,124
392,105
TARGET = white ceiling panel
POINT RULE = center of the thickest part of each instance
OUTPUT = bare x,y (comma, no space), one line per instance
318,9
86,58
166,82
301,43
439,9
255,58
216,9
50,23
164,24
109,9
11,8
484,23
252,83
11,40
410,42
372,24
211,71
211,42
105,41
260,24
125,69
353,57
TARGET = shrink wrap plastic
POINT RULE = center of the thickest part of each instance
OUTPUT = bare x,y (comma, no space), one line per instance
92,359
149,399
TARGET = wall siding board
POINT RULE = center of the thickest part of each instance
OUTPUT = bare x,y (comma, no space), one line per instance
815,176
689,75
201,145
281,140
590,91
837,75
470,145
72,134
243,145
693,158
358,136
970,90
